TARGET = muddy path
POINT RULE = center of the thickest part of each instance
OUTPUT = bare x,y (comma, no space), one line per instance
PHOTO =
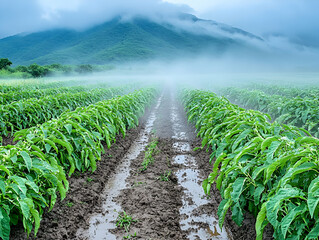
166,201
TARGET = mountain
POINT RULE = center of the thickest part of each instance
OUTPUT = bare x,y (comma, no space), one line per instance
118,41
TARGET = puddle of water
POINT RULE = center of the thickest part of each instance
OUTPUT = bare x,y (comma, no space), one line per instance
200,226
182,147
100,224
179,129
185,160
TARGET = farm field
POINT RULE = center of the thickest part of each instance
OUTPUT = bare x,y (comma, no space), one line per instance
153,161
159,120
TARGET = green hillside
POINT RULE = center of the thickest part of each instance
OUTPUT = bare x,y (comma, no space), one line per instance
112,42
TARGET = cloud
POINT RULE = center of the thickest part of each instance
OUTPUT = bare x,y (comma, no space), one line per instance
19,16
294,19
33,15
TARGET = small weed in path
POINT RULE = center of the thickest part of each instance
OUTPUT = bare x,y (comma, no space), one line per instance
124,221
89,179
151,151
165,176
129,236
69,204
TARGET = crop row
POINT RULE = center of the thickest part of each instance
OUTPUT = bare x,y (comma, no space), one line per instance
268,169
301,112
312,92
33,171
30,112
9,97
30,85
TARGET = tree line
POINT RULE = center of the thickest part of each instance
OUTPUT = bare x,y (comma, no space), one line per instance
37,71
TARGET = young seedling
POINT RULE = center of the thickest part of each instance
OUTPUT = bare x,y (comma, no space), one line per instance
90,179
69,204
165,176
168,162
129,236
151,150
137,184
124,221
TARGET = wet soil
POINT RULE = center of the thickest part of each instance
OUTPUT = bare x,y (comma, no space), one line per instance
168,209
153,202
8,141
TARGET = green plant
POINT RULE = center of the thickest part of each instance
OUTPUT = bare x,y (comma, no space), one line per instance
17,95
287,91
27,113
129,236
168,161
298,111
137,184
69,204
124,221
89,179
151,150
268,169
165,176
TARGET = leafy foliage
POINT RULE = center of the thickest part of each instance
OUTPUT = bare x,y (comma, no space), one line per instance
268,169
27,113
151,150
34,170
286,91
124,221
23,86
12,96
298,111
4,63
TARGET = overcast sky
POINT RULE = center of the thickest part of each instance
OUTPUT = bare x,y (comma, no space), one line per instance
295,19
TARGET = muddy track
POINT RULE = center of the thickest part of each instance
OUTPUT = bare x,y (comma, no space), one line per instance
153,202
172,209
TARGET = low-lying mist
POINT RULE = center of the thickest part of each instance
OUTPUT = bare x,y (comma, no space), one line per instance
289,66
240,68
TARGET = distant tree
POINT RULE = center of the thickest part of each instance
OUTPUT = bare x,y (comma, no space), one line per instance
60,68
38,71
4,63
21,69
56,66
84,68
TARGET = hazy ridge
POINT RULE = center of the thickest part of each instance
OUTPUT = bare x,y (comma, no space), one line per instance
119,41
